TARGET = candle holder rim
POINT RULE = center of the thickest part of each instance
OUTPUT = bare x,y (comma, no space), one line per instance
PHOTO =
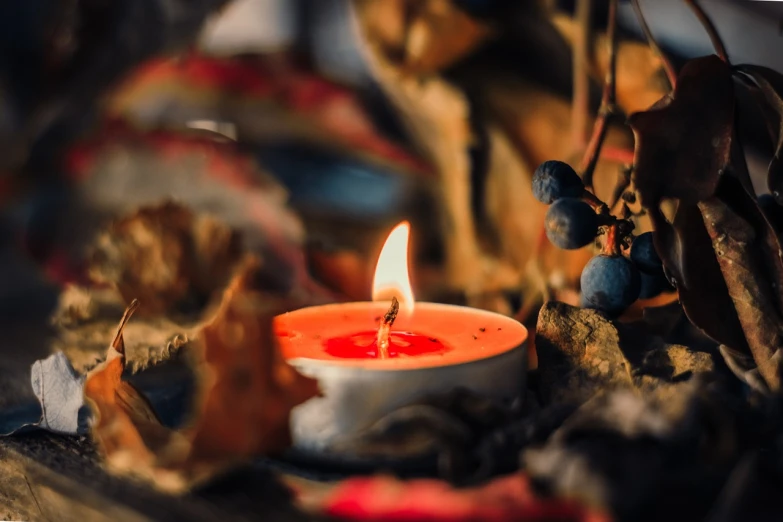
404,364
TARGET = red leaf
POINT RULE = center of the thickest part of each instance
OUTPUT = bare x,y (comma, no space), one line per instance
386,499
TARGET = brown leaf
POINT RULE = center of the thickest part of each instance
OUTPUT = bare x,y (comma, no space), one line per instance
683,142
421,36
245,402
165,255
245,394
719,248
769,93
736,245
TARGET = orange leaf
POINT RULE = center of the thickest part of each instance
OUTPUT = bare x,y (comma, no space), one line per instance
245,394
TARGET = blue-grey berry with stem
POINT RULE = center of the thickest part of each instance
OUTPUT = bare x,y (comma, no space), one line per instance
610,283
571,223
554,180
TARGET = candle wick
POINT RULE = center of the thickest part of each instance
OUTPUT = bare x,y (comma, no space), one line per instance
385,328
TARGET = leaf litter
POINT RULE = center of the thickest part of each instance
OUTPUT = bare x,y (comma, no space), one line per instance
245,391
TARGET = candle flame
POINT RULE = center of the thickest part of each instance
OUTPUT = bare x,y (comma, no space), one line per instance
391,273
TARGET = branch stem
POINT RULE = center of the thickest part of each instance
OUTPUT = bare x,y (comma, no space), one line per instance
710,28
608,108
580,105
671,74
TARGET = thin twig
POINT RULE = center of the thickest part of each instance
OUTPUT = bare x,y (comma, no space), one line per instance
671,74
581,79
712,32
608,107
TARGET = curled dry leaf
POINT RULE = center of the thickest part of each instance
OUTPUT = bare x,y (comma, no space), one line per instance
683,142
245,394
420,36
720,250
676,158
769,93
165,255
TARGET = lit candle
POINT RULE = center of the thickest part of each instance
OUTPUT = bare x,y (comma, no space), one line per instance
371,358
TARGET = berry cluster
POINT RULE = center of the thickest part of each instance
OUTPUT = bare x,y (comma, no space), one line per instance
610,281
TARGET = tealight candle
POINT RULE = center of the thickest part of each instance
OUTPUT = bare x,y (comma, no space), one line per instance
371,358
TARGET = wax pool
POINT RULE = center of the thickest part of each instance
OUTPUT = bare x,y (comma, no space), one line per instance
401,344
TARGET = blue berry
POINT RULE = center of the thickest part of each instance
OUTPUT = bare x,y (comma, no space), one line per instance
610,284
643,254
553,180
570,223
653,285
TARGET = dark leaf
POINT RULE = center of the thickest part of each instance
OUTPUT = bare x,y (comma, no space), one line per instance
768,91
683,142
737,249
245,394
685,147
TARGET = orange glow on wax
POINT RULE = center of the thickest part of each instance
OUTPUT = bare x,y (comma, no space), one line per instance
392,278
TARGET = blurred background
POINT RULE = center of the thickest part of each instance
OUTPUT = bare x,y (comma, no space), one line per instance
313,126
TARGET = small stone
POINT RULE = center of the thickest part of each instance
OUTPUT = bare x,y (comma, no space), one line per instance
578,353
581,353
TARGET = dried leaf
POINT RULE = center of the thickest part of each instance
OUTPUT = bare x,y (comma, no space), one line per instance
165,256
686,151
736,246
245,402
421,36
683,142
246,392
769,93
123,169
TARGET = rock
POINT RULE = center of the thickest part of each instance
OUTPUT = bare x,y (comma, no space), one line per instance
581,352
578,354
627,452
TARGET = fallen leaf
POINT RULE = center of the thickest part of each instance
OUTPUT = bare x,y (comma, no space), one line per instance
420,36
683,142
769,93
737,249
720,249
245,394
665,168
165,256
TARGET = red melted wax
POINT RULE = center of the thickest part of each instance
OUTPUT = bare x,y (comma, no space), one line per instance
401,344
